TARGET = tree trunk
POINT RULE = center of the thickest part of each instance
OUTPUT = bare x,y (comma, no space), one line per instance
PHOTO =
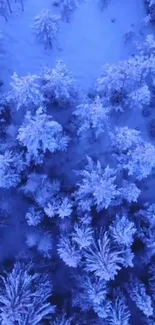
9,6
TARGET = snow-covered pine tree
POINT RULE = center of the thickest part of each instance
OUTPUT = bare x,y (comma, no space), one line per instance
58,85
11,166
23,298
39,133
25,93
138,294
92,115
102,258
46,26
97,187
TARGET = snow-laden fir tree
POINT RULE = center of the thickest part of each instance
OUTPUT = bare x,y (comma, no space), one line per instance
92,115
91,292
102,258
24,297
34,216
103,311
61,207
68,251
97,188
11,166
25,93
129,191
96,289
132,152
137,292
58,85
46,27
123,231
39,133
119,313
82,235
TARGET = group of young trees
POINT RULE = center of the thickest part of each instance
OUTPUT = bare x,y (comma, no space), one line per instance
88,247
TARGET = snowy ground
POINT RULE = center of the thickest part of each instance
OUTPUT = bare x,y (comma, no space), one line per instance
92,38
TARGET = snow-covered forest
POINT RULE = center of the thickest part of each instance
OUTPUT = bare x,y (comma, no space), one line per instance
77,162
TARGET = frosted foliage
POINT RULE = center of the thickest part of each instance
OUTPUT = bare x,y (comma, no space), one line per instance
119,313
21,290
34,217
82,235
68,252
91,292
46,26
11,166
61,320
149,215
141,161
65,208
96,290
102,310
61,207
128,257
140,97
97,187
130,192
26,92
148,240
92,115
44,245
102,259
80,299
40,133
133,153
138,294
147,48
123,230
59,85
126,81
125,138
40,188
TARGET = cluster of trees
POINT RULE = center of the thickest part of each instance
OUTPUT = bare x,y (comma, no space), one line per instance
88,253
